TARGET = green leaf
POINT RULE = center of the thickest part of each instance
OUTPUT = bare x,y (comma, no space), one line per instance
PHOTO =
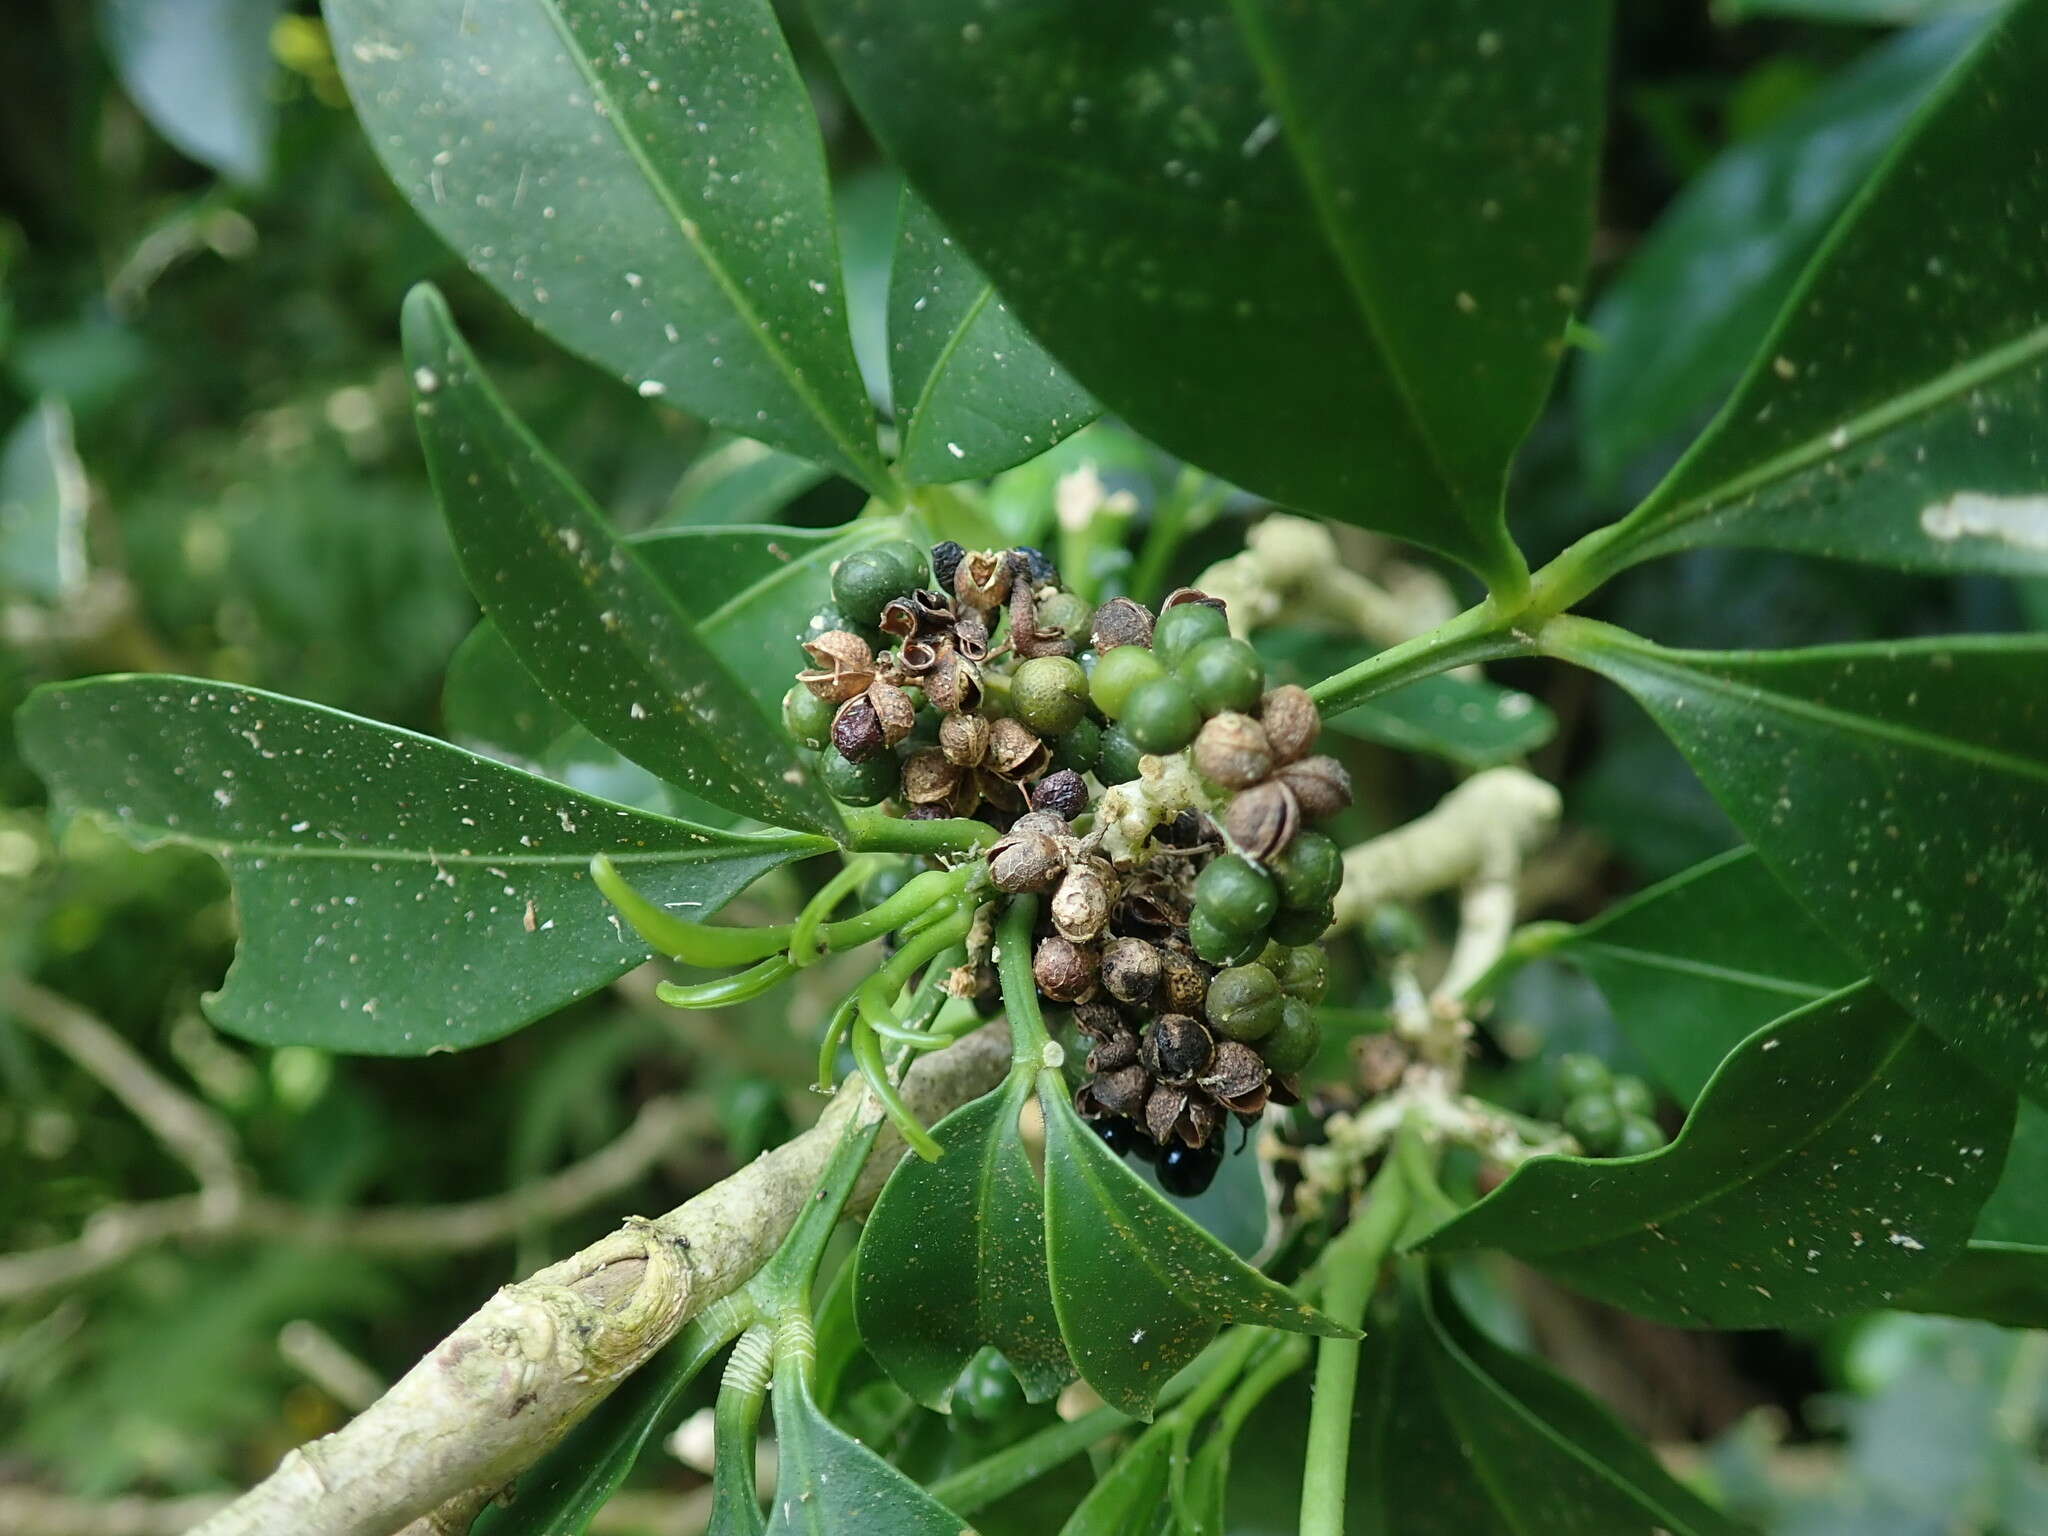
1696,965
200,71
828,1483
1127,1499
1834,1163
974,393
1862,13
1900,791
1697,298
740,481
397,895
2002,1276
43,502
1459,1436
1139,1288
1921,452
953,1258
644,183
1193,208
579,606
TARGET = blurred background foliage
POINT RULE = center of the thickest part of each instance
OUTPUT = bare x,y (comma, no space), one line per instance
208,468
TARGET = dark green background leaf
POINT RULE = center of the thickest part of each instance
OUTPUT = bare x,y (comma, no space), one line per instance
397,895
43,501
578,605
201,72
644,184
1325,250
974,393
1836,1161
1899,791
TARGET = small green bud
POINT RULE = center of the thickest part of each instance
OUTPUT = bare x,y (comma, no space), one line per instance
807,717
1219,945
1295,1041
868,782
1117,762
1579,1075
1080,748
1159,715
1236,895
1639,1134
1049,694
1308,870
1301,972
1223,674
1633,1096
1244,1001
1595,1122
1297,926
1184,626
1118,673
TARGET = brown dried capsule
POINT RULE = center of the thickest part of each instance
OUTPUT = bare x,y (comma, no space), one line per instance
857,730
1028,638
1115,1053
1121,621
1015,752
1099,1021
1235,1072
1163,1107
1175,1048
1026,858
964,739
1263,819
1320,784
952,682
1115,1095
1064,793
1181,595
928,779
893,710
1080,907
1183,983
1065,971
983,579
1292,722
1200,1120
842,666
1232,751
1131,970
1380,1061
1000,792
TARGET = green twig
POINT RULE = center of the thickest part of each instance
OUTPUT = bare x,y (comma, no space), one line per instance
1478,634
804,948
871,831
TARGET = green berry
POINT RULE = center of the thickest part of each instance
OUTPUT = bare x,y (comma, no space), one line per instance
1118,674
1392,930
1068,612
1117,761
1296,926
1222,946
987,1391
868,580
1579,1075
1308,870
1639,1134
868,783
1633,1096
1049,694
1160,716
1080,748
1223,674
1184,626
807,717
1244,1002
1301,973
1595,1122
1295,1040
1236,894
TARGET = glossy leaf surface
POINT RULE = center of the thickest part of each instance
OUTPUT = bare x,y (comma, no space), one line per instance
1697,298
740,481
1899,791
1190,207
589,622
43,501
953,1258
201,72
2002,1276
1836,1161
974,393
1697,964
397,895
1922,452
643,182
828,1484
1138,1287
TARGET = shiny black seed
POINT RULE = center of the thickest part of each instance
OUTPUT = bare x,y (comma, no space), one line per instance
1063,793
946,558
1187,1171
1038,565
1121,1136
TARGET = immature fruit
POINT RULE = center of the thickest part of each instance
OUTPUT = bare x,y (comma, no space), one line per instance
1596,1123
869,782
1638,1134
1067,612
1118,674
1185,1171
1301,973
1632,1096
1579,1076
1236,895
1308,870
1184,626
1219,945
868,580
1223,674
1294,1041
1080,748
1159,715
1117,761
807,717
1231,749
1244,1002
1049,694
1296,926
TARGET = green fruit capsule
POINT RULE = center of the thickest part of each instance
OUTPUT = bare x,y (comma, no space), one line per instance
1639,1134
868,783
1080,748
1117,761
1184,626
1579,1075
1308,870
868,580
1237,896
1301,973
1297,926
1069,613
1222,946
1117,676
1223,674
1632,1096
1295,1040
1244,1002
1595,1122
1159,715
807,717
1049,694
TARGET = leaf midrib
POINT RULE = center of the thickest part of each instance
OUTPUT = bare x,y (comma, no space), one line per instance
914,434
229,850
1648,959
757,331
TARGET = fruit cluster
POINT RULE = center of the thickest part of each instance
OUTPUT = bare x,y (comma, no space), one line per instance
1608,1113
